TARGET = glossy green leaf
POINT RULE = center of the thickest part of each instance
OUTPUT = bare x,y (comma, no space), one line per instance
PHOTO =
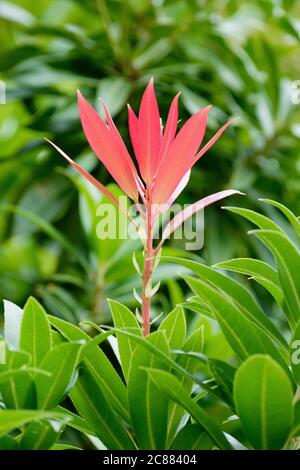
260,271
256,218
124,318
195,304
288,261
243,335
93,406
14,419
97,362
171,387
192,437
41,435
148,409
18,391
35,337
242,298
76,421
289,214
296,423
223,373
61,362
266,416
8,443
174,326
194,343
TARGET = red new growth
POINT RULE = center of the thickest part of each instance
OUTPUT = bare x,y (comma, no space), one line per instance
164,161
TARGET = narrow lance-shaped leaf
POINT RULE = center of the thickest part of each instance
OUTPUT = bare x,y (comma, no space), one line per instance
192,437
61,362
289,214
243,335
107,148
148,409
149,132
93,180
189,211
194,343
260,271
101,368
15,419
212,141
124,318
171,387
41,435
288,261
258,219
35,332
238,294
174,326
18,391
88,398
180,153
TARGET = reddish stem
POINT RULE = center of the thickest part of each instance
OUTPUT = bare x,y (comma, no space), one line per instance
148,270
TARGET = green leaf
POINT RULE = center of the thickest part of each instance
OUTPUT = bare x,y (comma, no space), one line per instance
76,421
224,375
243,300
171,387
148,409
93,406
35,337
61,362
101,368
192,437
260,271
15,419
165,359
114,92
51,231
124,318
194,343
65,447
295,353
296,423
8,443
18,391
11,373
41,435
174,326
263,396
195,304
258,219
12,325
289,214
288,262
243,335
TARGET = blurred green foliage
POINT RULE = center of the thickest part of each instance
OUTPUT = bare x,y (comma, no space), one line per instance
241,56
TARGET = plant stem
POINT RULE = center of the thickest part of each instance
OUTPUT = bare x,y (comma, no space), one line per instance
148,270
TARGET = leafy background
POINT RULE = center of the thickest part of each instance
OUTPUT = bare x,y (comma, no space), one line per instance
241,56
